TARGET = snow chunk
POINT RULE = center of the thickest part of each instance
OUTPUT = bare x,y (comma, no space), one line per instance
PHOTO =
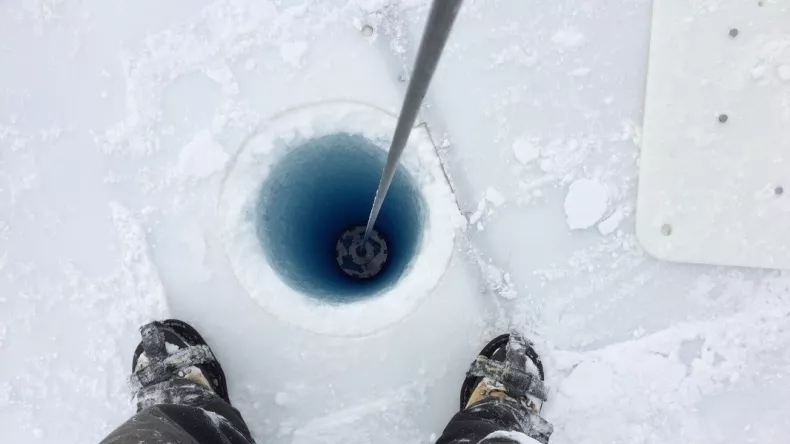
525,151
585,203
581,72
568,38
608,225
293,53
201,157
222,74
494,196
758,72
500,282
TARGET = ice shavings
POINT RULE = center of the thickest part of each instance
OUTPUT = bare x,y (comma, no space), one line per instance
293,52
499,281
568,38
610,224
494,196
201,157
525,150
485,208
585,203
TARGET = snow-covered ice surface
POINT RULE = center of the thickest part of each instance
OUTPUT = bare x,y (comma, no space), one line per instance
117,120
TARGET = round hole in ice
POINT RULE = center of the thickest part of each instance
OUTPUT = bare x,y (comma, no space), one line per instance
666,229
273,255
320,190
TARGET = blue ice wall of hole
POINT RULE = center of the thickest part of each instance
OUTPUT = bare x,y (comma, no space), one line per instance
320,189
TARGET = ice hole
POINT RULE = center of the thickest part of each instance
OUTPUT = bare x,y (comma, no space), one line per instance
316,193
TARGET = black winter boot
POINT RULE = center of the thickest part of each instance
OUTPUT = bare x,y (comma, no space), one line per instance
507,367
174,350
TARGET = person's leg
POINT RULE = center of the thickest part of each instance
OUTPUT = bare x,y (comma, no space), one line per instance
180,391
500,404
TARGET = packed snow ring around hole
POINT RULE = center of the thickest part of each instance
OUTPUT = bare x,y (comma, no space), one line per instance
261,155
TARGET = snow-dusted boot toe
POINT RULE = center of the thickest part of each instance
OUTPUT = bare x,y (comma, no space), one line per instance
174,350
507,368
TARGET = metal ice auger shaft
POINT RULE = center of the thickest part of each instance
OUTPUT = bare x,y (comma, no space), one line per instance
437,29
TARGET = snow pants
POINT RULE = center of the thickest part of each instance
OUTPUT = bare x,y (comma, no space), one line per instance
186,413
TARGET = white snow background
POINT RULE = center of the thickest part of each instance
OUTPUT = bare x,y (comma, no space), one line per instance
117,119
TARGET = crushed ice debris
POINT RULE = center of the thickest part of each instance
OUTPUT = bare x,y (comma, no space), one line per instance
525,150
581,71
514,54
610,224
585,203
500,282
758,71
475,217
222,74
293,53
568,38
493,197
201,157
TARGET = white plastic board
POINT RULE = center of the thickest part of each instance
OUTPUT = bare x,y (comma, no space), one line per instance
715,166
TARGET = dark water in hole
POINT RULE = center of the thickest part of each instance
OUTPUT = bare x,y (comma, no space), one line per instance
317,191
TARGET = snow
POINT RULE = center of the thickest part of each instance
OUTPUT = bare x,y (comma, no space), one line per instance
494,196
525,150
610,224
568,38
201,157
282,399
115,124
293,52
585,203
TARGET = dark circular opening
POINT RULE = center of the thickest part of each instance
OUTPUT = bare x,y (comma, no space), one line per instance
320,190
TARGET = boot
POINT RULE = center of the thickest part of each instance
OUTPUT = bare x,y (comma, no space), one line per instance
172,351
507,368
